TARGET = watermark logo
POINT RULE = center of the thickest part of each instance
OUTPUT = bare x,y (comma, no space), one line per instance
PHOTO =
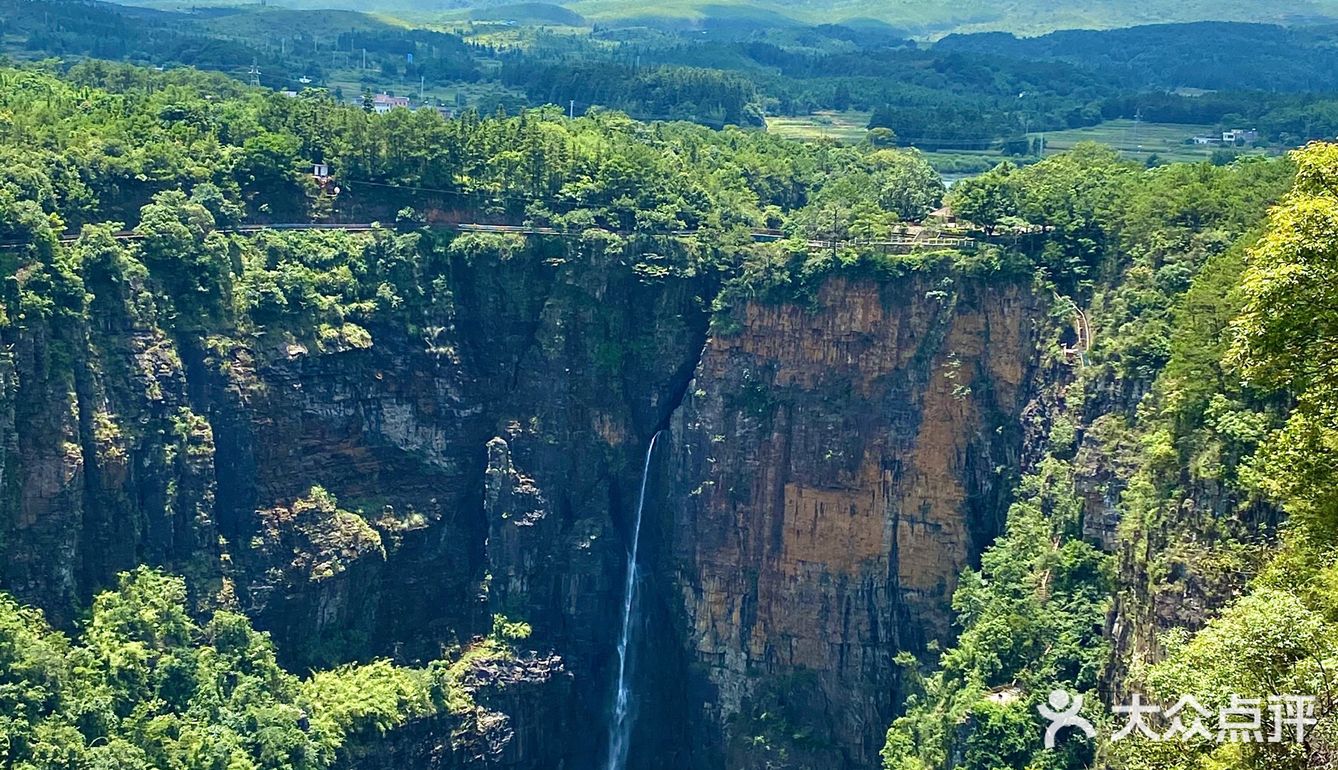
1063,714
1277,719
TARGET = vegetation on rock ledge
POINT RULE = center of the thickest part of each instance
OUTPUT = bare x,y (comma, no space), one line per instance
145,685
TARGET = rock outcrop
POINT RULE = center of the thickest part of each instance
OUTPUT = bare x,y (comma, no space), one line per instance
520,721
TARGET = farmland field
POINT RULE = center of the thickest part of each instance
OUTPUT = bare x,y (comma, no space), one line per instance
844,127
1137,139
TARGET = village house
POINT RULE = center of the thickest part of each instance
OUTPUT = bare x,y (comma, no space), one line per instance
383,103
1240,136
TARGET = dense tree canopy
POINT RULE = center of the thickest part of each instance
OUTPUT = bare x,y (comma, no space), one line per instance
965,92
146,685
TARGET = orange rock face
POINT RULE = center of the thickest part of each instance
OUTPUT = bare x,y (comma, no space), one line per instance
836,466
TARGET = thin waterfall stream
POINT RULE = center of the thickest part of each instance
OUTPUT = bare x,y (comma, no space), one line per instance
620,726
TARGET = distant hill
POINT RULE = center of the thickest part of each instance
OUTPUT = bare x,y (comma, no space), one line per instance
936,17
538,14
923,18
1266,57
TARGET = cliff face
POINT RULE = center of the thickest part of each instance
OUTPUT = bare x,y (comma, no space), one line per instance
357,501
103,462
830,470
833,470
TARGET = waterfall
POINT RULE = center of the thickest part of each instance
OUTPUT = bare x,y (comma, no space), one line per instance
620,726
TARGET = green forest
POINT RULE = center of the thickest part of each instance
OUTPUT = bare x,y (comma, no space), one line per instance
572,409
964,93
145,684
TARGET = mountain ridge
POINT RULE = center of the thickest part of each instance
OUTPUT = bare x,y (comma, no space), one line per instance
921,19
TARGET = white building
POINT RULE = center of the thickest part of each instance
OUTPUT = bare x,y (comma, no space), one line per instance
1240,135
383,103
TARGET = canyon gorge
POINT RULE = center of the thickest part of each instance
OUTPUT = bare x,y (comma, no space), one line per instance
828,465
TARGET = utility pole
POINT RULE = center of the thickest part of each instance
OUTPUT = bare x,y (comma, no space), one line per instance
571,110
422,83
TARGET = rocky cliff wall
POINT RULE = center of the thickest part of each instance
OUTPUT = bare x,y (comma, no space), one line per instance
356,501
830,469
833,469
